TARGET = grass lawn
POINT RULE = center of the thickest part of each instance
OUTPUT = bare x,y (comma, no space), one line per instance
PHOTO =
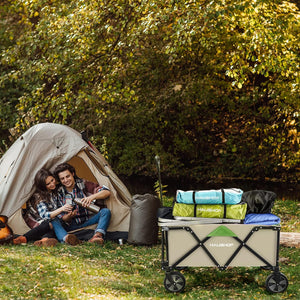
134,272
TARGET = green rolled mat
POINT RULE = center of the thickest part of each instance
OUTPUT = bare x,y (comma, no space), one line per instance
224,211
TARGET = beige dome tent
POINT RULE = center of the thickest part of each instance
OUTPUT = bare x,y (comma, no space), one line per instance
47,145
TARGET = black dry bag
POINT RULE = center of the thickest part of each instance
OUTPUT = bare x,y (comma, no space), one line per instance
143,226
259,201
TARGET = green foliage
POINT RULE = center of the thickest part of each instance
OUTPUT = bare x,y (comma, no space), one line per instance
10,88
161,192
213,87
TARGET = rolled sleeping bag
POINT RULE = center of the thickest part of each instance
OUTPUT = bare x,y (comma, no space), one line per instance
221,196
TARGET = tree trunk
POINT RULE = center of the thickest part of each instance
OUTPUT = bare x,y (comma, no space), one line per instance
290,239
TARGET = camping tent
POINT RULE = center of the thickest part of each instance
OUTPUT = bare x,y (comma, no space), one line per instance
47,145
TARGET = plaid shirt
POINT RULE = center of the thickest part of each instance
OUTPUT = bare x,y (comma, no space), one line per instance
44,208
79,191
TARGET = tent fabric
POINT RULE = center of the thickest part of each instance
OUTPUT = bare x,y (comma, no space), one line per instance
46,145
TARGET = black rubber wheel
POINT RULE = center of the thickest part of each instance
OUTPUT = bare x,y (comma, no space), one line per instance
276,283
174,282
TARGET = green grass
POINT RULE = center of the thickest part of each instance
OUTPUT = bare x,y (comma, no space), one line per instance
289,212
134,272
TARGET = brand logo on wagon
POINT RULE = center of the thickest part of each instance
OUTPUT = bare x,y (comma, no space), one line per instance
221,245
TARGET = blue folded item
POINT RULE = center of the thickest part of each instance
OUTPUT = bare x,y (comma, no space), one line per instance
222,196
261,219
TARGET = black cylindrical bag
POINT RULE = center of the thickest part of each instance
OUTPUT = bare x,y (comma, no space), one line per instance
143,226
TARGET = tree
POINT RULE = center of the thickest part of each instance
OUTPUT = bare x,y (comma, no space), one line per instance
212,88
10,88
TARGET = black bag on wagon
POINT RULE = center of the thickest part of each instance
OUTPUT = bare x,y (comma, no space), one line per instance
259,201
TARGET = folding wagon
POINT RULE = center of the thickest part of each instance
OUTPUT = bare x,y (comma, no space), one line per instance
194,244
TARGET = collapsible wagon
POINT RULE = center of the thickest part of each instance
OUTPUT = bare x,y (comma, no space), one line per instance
194,244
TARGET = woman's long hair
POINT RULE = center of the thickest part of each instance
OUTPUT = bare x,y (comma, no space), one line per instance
40,185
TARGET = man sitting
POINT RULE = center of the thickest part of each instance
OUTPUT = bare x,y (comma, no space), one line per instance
74,187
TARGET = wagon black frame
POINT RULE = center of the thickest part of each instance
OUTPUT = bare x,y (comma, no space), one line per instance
175,281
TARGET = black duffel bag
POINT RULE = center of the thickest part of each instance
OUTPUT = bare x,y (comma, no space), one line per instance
259,201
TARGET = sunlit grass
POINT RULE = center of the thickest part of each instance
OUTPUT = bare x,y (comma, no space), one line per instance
132,272
289,212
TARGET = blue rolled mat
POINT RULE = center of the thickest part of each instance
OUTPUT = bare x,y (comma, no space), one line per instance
222,196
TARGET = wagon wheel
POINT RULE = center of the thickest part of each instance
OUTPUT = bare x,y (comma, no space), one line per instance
174,282
276,283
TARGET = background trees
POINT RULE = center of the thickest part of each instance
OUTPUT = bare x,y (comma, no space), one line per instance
210,86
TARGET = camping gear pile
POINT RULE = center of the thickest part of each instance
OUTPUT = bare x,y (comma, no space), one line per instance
221,228
230,205
259,207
